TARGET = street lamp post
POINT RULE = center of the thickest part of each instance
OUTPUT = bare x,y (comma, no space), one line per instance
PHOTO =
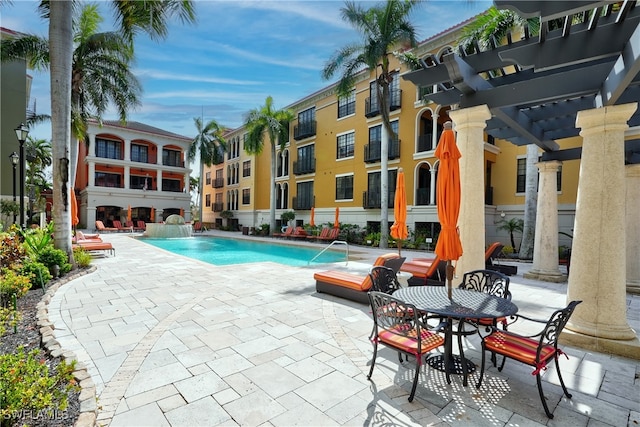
15,158
22,132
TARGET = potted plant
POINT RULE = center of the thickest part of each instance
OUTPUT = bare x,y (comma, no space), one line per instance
287,216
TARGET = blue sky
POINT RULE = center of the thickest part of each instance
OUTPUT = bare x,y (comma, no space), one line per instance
236,55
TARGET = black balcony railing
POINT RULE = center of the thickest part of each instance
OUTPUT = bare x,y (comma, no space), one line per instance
488,196
425,143
304,130
372,199
176,163
304,203
301,167
372,151
218,183
217,207
372,107
422,196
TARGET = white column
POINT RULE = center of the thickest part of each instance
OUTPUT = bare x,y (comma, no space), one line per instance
432,185
598,262
127,150
92,173
127,177
91,216
545,248
159,156
159,181
633,227
92,144
469,125
434,132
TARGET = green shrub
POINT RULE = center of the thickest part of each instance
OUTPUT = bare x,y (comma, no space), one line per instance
37,271
38,239
51,256
11,249
27,385
9,318
12,283
82,257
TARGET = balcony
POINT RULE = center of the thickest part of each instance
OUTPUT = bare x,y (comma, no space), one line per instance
425,143
372,199
304,166
488,196
174,163
372,151
303,204
218,183
304,130
422,197
217,207
372,109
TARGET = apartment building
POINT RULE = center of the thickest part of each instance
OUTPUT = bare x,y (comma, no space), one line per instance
131,171
332,159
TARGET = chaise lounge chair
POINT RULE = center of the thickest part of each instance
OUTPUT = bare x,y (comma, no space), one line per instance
286,233
118,225
91,246
492,254
331,235
353,286
100,227
425,271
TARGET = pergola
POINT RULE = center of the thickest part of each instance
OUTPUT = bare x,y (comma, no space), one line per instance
581,78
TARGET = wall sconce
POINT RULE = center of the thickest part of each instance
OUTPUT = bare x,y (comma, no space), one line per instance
502,215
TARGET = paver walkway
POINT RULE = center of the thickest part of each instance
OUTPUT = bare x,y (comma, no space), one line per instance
171,341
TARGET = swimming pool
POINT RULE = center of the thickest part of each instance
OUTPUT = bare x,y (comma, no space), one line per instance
221,251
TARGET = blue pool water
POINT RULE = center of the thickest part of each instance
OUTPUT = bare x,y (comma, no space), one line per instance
221,251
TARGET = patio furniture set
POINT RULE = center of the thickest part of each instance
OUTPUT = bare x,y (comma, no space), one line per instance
417,320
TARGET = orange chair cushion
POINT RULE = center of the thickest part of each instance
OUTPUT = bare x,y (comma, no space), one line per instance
347,280
517,347
421,267
399,339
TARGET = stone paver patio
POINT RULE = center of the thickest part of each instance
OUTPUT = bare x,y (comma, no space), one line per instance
170,341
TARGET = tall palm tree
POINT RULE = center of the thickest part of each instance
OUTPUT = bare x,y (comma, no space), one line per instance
101,74
211,145
493,26
383,29
262,122
148,16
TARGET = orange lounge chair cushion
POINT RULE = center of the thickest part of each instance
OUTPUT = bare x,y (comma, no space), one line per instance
421,267
347,280
402,339
518,347
95,246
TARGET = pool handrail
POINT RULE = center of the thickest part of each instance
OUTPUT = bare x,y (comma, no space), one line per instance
328,247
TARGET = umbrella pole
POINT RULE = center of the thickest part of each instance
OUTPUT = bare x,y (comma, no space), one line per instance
449,278
399,248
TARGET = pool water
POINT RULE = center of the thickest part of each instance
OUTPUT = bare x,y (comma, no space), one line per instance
221,251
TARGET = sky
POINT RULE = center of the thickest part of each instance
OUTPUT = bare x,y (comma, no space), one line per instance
234,56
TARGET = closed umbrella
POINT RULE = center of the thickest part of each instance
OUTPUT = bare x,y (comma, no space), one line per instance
336,223
312,221
449,247
399,227
153,214
129,213
74,209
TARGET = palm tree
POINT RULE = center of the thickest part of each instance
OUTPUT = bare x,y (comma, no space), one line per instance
101,72
383,28
148,16
511,226
267,121
211,145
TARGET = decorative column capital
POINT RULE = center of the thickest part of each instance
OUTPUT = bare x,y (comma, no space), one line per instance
632,171
470,117
611,118
549,166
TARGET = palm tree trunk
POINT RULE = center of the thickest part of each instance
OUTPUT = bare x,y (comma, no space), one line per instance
272,191
530,204
61,49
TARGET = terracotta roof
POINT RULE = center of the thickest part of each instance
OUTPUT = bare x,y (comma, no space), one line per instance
141,127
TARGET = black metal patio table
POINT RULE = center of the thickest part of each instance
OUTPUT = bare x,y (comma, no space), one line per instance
463,305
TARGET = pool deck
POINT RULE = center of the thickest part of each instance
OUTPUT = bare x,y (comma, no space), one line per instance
170,341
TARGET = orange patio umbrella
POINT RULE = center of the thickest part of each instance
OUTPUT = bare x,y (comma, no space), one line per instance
336,223
399,227
312,221
449,247
182,212
74,209
153,214
129,213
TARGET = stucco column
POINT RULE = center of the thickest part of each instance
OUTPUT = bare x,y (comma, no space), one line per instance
633,227
432,187
127,177
91,217
92,145
127,150
598,262
545,248
469,125
434,131
92,173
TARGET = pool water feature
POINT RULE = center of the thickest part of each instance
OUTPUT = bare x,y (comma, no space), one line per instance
222,251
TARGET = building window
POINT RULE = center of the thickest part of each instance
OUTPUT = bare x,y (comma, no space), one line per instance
171,158
107,149
372,197
107,180
246,196
172,185
207,200
346,143
246,168
304,195
208,179
306,126
137,182
521,175
347,104
344,187
306,162
139,153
